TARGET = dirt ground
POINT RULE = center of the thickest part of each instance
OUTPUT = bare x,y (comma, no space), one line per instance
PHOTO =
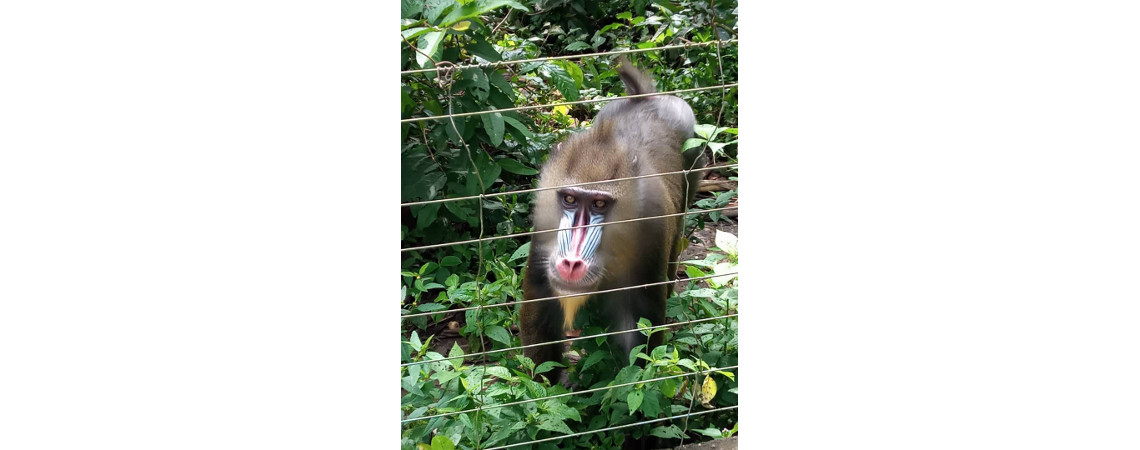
719,444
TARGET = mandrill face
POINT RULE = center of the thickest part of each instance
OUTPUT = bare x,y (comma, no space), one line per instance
575,264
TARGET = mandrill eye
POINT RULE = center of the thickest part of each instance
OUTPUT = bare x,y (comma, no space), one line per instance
599,204
569,199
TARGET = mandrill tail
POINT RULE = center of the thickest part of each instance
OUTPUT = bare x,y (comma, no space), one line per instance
635,80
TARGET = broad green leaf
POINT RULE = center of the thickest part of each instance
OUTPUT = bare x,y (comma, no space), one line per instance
436,8
710,432
499,372
546,367
522,252
575,46
493,123
484,50
634,399
455,353
594,358
562,410
429,43
449,261
693,143
550,422
414,340
462,25
563,81
411,33
702,293
669,432
499,334
430,307
477,8
704,130
441,442
410,9
572,69
516,167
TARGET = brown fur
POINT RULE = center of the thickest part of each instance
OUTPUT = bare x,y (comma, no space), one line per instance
630,137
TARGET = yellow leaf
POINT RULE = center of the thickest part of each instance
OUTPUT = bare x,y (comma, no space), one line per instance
462,26
563,109
708,391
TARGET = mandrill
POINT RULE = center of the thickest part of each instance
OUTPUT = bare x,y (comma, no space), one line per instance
629,138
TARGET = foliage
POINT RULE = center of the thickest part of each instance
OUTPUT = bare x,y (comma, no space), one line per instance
501,152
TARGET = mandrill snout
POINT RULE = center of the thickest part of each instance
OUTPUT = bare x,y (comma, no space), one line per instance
571,269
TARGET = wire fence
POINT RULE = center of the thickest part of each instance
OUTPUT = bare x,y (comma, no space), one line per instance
481,404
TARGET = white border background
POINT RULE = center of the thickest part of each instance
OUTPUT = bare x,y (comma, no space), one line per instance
940,225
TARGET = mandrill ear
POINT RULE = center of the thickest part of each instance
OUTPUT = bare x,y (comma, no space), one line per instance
557,148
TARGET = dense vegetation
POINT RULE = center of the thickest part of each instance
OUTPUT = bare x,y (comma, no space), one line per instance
500,152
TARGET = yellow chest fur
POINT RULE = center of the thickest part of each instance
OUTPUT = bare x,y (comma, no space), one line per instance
570,307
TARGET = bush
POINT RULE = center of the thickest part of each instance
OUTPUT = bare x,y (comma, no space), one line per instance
500,152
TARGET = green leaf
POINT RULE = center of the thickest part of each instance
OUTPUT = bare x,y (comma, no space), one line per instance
429,44
449,261
484,50
546,367
572,69
518,126
704,130
477,8
441,442
702,293
624,15
516,167
710,432
726,241
430,307
493,123
414,340
499,371
575,46
634,399
426,215
694,272
522,252
409,9
551,422
669,387
499,333
594,358
693,143
651,405
563,410
452,281
668,432
437,8
412,33
563,81
455,353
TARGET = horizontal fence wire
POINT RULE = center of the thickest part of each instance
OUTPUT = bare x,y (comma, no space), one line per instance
531,233
578,102
567,394
585,183
541,299
498,64
679,416
579,338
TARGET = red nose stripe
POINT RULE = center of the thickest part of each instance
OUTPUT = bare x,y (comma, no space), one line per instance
578,238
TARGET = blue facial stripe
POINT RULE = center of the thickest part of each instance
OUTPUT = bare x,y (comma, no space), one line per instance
593,236
566,234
